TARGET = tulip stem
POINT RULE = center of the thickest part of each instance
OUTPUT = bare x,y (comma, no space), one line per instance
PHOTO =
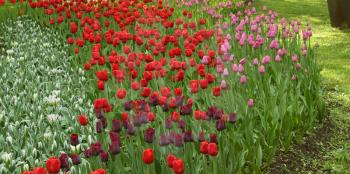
149,170
214,168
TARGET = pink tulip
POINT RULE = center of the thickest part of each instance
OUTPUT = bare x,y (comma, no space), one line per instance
262,69
250,103
243,79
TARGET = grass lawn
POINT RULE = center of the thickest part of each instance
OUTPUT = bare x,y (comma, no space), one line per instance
334,58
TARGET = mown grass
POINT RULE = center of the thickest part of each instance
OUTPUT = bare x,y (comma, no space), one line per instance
334,58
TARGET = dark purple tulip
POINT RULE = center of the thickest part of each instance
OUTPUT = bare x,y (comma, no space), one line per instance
76,160
131,129
99,126
96,148
104,156
211,111
220,125
114,148
142,105
64,162
137,121
104,122
179,100
99,113
218,114
128,105
232,118
213,138
186,110
116,125
201,136
153,100
144,117
168,123
171,137
125,124
179,141
188,136
74,139
165,107
149,135
181,124
164,140
88,153
114,137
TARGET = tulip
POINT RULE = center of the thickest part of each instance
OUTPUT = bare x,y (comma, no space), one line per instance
83,120
53,165
178,166
149,135
212,149
250,103
99,171
148,156
39,170
170,159
74,139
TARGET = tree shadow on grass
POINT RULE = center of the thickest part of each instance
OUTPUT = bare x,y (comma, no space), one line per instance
314,10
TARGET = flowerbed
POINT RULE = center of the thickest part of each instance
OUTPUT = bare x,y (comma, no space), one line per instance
183,87
40,95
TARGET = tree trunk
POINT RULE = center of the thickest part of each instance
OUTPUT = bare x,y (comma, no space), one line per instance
339,11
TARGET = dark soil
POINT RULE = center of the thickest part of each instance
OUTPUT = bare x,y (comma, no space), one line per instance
300,157
310,155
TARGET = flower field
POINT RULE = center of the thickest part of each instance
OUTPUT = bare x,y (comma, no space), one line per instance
146,86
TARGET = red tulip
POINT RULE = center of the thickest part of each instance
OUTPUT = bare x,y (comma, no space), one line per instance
203,148
100,85
170,159
2,2
175,116
148,156
203,83
70,40
151,116
146,91
212,149
27,172
210,78
52,21
102,75
53,165
121,93
99,171
165,91
194,87
73,27
178,166
126,49
216,91
178,92
135,85
39,170
83,120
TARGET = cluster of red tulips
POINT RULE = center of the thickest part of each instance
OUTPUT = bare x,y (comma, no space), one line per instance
130,50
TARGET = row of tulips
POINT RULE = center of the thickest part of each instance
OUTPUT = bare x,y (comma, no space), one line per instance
40,94
218,90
